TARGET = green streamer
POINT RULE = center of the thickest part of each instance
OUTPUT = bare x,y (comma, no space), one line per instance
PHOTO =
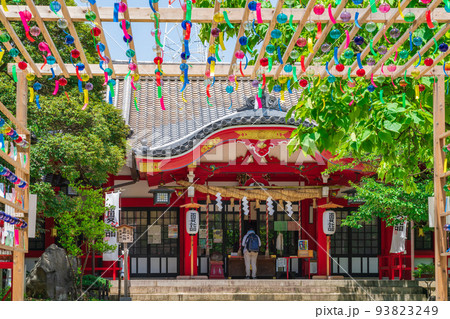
248,48
373,6
159,92
404,100
381,97
436,46
135,104
158,42
156,32
270,64
207,100
338,2
217,53
290,22
259,90
309,86
404,77
111,89
294,72
156,22
188,10
349,74
14,73
128,74
225,15
371,48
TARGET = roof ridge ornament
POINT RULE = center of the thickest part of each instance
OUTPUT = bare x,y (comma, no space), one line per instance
268,101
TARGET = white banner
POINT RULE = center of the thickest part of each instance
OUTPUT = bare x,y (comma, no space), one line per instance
431,210
32,216
398,238
112,218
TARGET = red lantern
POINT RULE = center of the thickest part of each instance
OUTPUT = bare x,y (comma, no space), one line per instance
96,31
303,83
75,53
421,87
428,62
264,62
340,67
158,60
62,81
22,65
360,72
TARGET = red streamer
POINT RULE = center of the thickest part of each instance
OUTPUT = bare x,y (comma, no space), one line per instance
158,79
302,62
264,80
207,90
384,33
240,68
78,73
429,22
99,54
45,62
188,31
68,100
319,30
56,87
340,85
25,26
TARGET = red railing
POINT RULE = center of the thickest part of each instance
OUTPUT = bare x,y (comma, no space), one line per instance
107,269
397,265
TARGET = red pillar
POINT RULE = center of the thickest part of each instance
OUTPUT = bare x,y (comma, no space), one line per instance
321,240
187,257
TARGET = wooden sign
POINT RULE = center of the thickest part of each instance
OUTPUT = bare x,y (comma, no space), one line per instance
125,234
329,222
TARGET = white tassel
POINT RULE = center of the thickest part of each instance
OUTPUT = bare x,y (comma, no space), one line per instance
219,201
245,205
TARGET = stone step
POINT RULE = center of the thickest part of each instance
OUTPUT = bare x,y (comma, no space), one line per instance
274,297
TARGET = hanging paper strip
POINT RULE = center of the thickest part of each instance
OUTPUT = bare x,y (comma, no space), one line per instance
187,35
14,73
382,69
289,86
222,45
212,68
240,68
358,59
53,74
400,10
371,48
340,86
404,77
31,95
336,59
86,99
225,15
270,64
349,74
258,99
410,42
319,30
56,87
330,14
310,46
417,91
420,59
392,81
384,34
217,53
25,26
290,22
258,13
246,61
404,99
187,53
188,10
396,53
111,90
116,12
279,55
356,20
371,81
2,52
80,86
294,73
373,6
347,39
237,84
326,69
135,102
436,46
282,99
445,72
381,97
254,30
46,48
37,102
5,8
124,29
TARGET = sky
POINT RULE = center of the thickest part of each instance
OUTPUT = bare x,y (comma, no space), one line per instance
144,41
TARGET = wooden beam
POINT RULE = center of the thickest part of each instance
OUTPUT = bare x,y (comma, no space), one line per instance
74,34
47,37
445,135
418,22
272,24
436,61
422,51
295,36
19,45
240,34
203,15
441,273
381,32
94,8
198,69
324,35
126,15
11,117
352,33
211,38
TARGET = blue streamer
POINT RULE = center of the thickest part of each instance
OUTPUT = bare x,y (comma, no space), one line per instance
420,59
110,101
448,82
80,86
410,42
187,54
358,58
370,103
444,70
116,12
53,74
150,2
279,55
289,86
101,66
279,105
37,102
246,61
332,98
186,80
336,60
214,81
254,30
92,2
231,105
326,68
356,20
71,61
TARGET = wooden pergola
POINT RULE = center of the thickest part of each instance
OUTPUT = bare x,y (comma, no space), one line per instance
238,17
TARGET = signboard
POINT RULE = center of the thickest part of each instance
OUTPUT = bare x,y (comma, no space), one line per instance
125,234
112,218
302,244
154,234
192,222
202,233
217,236
329,222
172,231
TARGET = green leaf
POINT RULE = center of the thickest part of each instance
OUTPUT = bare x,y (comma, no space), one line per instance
394,127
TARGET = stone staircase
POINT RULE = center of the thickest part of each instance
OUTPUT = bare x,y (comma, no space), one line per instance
272,290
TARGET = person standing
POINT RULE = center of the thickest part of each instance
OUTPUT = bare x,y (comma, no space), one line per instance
251,243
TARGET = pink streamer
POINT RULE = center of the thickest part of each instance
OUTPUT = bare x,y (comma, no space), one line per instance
84,107
259,101
182,5
331,14
161,101
371,81
384,33
106,79
16,237
132,84
46,48
56,87
392,81
124,29
351,102
258,13
396,53
24,22
382,69
347,39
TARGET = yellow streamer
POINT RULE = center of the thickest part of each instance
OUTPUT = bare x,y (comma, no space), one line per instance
86,96
445,165
318,81
417,91
310,46
237,84
222,45
323,100
182,97
212,68
400,10
31,95
1,55
4,5
282,96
